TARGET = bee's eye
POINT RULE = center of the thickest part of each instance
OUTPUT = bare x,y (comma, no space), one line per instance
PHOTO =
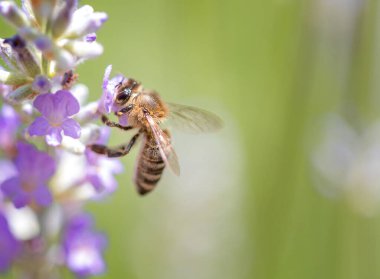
123,96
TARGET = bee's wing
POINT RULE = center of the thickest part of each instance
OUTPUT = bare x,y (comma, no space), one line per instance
191,119
163,141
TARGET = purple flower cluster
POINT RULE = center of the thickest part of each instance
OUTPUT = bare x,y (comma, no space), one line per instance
83,247
34,169
45,126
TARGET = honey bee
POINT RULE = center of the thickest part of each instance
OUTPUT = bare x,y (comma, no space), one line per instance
146,111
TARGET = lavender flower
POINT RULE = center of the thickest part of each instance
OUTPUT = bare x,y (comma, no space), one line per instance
83,247
56,110
107,104
34,169
9,246
40,187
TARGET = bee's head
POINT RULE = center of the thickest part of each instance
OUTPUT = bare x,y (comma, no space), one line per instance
125,89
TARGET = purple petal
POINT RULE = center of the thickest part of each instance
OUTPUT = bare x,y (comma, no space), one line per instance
91,37
65,100
40,127
43,196
21,199
71,128
106,100
106,77
54,137
25,161
43,167
11,187
5,262
96,182
44,104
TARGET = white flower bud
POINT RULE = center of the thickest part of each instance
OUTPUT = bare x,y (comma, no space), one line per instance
73,145
64,59
85,21
84,49
80,92
23,222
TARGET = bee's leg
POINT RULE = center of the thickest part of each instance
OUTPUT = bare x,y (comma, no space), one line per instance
119,151
110,123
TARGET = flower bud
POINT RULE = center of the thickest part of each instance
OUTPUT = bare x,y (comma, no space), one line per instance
28,33
85,21
63,18
24,57
88,113
41,41
64,59
84,49
41,84
10,78
91,134
23,222
74,146
8,56
21,93
90,37
13,14
43,10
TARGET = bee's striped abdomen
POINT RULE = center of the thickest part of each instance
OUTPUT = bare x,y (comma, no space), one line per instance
150,166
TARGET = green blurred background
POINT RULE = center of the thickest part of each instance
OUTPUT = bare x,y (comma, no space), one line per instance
245,205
